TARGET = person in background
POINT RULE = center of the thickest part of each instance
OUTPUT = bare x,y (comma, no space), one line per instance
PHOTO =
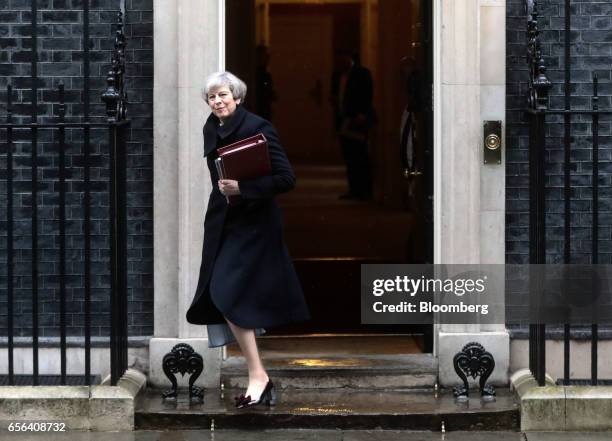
265,94
352,94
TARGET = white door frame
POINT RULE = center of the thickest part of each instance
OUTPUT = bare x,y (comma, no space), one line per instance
437,169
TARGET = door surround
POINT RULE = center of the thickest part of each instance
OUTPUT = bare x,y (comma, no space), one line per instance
468,221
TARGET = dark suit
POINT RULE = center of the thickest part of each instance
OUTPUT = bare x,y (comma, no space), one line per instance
246,273
354,117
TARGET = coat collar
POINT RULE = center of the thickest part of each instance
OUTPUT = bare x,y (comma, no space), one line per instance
232,123
212,128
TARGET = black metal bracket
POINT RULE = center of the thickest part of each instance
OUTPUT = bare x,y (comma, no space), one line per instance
115,95
539,84
183,359
473,361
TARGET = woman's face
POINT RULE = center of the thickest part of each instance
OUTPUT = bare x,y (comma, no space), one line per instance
222,102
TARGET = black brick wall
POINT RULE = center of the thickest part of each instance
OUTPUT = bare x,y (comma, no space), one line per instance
60,59
591,49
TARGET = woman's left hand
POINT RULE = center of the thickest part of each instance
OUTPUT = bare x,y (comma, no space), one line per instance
229,187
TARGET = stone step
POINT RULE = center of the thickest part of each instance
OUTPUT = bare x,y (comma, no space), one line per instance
330,409
414,371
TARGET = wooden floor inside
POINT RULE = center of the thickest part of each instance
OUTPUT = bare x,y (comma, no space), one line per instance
318,225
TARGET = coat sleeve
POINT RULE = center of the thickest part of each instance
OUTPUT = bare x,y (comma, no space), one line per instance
282,178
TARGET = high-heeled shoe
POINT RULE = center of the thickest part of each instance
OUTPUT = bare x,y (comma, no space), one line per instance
239,399
267,397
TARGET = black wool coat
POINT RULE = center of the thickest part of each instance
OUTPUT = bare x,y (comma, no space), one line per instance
246,272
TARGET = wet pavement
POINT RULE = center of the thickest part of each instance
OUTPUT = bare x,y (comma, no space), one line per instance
303,435
344,409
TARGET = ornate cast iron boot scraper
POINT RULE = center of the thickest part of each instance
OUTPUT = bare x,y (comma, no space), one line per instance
474,361
182,358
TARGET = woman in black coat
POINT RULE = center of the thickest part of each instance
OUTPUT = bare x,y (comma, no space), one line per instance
247,279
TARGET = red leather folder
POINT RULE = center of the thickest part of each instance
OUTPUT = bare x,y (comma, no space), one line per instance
245,159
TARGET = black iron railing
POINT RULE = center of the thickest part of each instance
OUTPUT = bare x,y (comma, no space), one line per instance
116,123
537,112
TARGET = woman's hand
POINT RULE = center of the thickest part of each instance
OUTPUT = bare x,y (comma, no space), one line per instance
229,187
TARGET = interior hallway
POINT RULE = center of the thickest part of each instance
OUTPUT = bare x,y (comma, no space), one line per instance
329,239
319,226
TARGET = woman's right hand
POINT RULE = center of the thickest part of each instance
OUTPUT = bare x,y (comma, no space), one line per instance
228,187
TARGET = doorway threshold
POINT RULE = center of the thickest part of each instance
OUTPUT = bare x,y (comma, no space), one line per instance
327,361
336,345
